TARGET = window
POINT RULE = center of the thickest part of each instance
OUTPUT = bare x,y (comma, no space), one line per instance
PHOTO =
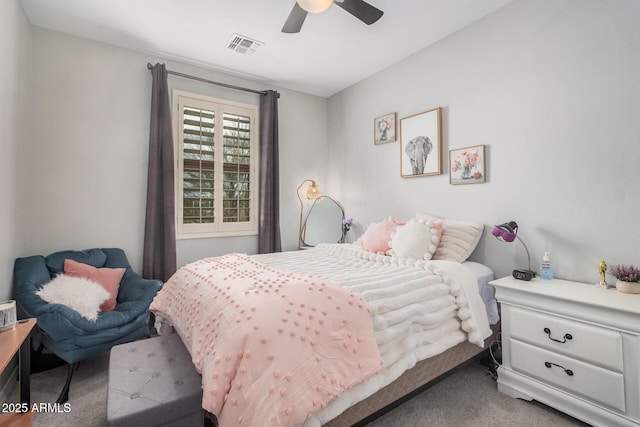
216,178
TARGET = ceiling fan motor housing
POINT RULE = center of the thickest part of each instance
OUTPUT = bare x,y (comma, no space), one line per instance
362,10
315,6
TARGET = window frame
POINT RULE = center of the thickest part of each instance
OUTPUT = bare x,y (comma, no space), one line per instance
220,107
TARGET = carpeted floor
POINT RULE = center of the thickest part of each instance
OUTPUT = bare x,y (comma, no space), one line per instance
469,398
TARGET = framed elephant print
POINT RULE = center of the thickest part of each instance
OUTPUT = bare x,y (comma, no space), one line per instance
421,144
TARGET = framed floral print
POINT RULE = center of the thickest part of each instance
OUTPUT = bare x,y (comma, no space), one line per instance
467,165
421,144
384,129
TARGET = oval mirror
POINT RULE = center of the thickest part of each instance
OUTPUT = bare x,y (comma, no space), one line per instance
323,223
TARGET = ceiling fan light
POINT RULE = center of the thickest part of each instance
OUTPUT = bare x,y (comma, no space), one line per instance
314,6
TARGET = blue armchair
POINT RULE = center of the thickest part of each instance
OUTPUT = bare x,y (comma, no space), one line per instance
64,331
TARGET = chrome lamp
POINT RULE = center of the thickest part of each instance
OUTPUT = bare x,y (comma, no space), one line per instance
508,232
313,193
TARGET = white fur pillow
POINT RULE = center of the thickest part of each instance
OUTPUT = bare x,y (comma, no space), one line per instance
81,295
459,238
417,240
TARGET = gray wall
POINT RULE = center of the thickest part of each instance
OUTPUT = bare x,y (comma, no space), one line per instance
88,154
15,45
552,88
85,145
549,85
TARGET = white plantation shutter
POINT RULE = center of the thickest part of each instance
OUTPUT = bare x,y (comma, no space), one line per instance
198,176
237,168
217,167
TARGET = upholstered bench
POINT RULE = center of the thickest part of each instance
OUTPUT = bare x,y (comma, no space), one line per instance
153,382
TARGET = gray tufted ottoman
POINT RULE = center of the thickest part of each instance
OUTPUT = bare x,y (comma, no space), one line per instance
153,382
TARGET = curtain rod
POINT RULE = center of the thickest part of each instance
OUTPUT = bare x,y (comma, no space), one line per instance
175,73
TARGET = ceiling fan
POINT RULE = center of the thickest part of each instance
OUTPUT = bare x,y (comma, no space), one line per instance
358,8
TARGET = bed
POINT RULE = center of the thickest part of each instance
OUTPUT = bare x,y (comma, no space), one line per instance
429,371
417,340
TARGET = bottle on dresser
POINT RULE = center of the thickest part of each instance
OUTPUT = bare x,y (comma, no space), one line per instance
546,270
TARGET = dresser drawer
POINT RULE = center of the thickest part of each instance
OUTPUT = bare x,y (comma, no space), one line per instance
579,378
576,339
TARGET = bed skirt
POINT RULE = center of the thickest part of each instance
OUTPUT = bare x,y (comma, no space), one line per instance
413,379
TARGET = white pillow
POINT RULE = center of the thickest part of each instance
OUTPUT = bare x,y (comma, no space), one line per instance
459,238
417,240
82,295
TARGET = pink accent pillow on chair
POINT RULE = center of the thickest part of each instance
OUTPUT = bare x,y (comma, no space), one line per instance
108,278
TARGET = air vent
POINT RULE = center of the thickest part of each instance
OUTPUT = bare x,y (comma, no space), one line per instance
243,45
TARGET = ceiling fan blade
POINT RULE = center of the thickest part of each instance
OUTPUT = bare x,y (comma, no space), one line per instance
295,19
361,10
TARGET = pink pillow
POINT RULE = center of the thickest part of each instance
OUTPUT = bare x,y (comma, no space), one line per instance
378,234
108,278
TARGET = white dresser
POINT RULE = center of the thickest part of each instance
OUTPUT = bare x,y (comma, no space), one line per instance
571,346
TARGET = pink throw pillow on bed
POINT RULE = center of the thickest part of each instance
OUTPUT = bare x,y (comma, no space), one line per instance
378,234
108,278
437,225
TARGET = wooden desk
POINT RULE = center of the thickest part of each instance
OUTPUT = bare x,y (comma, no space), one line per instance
12,341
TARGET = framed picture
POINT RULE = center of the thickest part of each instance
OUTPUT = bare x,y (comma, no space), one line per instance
467,165
384,128
421,144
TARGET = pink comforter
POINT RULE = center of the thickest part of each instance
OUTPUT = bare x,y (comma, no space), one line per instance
272,346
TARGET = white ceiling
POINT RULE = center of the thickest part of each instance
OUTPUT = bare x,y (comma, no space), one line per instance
333,51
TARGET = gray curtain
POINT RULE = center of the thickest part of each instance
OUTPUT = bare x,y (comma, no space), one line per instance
159,254
269,219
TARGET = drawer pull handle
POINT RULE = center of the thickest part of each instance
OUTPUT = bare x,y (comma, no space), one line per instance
564,340
566,371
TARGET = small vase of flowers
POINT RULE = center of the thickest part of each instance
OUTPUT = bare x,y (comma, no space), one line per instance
346,226
628,278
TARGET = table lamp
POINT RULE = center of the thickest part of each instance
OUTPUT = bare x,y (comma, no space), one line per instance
508,232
